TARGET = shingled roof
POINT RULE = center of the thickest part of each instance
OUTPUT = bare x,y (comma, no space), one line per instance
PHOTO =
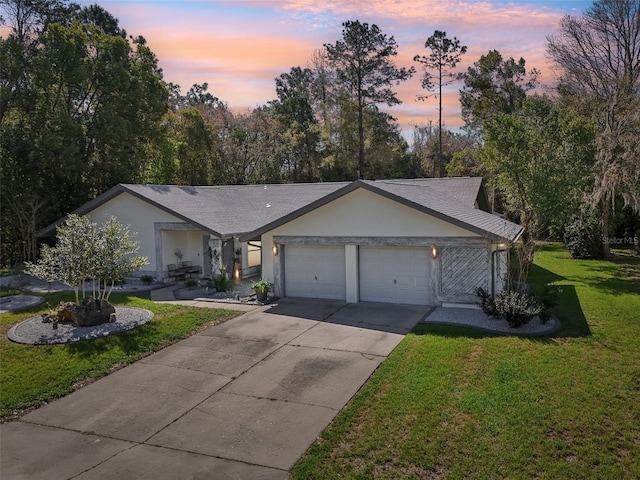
249,210
454,206
457,206
225,211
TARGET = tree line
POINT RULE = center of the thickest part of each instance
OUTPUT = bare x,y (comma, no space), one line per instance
84,106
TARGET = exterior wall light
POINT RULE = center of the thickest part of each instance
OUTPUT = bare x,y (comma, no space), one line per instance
236,273
275,249
434,251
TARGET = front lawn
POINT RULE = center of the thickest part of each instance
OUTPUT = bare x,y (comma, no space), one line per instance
33,374
460,404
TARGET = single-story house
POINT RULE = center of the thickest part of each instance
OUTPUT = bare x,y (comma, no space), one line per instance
421,241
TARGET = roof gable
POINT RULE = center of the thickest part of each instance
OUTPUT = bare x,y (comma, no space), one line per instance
459,209
365,213
224,211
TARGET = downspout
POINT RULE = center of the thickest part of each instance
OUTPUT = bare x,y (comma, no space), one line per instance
493,269
493,273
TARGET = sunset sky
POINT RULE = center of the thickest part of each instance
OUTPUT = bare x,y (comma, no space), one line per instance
239,46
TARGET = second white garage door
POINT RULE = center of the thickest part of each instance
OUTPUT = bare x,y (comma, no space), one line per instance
395,275
315,271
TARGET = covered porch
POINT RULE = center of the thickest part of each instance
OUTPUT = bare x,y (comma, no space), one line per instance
185,251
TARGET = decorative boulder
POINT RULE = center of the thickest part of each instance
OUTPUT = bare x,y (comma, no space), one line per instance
90,312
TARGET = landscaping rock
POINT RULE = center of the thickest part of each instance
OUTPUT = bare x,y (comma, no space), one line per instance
90,312
34,331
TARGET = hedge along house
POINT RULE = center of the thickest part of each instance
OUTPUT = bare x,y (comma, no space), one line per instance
425,241
199,225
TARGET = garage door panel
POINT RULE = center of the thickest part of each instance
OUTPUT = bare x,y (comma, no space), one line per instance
315,271
395,275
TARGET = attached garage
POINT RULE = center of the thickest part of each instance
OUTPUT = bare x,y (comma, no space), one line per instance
420,242
315,271
395,275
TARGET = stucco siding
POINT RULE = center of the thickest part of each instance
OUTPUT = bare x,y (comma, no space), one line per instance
189,243
360,214
140,216
363,213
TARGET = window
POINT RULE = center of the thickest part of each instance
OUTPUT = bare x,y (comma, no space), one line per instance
254,254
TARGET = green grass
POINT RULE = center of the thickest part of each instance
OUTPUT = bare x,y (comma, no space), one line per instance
33,374
456,403
5,292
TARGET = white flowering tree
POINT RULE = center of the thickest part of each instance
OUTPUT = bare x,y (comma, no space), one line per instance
85,252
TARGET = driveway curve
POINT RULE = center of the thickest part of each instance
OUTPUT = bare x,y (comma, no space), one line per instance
243,399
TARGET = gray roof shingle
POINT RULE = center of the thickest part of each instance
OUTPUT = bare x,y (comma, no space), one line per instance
234,210
456,204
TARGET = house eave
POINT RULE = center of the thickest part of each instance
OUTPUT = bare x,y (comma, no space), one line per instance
256,234
111,194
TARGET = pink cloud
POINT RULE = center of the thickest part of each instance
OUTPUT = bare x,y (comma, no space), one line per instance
240,47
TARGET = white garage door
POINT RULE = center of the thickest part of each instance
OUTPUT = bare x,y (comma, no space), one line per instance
395,275
314,271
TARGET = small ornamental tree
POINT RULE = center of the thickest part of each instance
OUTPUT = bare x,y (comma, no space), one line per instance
85,251
116,257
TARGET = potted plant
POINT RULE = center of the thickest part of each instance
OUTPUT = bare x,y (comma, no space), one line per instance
261,288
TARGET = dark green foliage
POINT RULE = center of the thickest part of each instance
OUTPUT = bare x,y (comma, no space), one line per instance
494,86
596,55
79,102
583,237
294,111
486,302
365,72
542,155
515,307
191,282
146,279
222,283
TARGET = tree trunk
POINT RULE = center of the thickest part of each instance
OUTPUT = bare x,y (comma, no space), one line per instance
440,166
360,140
606,252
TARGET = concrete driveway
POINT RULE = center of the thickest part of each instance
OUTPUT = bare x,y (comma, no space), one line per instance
243,399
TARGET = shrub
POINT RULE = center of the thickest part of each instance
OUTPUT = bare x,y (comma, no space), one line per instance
515,307
486,302
190,282
583,237
146,279
222,283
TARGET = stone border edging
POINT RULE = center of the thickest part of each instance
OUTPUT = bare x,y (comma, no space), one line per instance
474,318
33,332
17,303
